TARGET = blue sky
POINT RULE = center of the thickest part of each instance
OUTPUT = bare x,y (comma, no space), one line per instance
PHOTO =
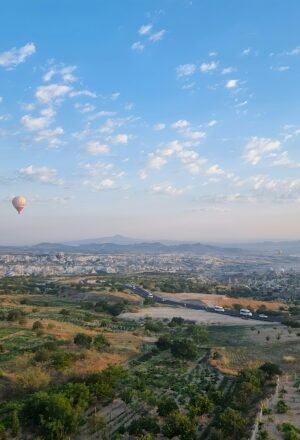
156,119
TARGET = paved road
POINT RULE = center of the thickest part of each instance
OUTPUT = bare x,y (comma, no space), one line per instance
170,302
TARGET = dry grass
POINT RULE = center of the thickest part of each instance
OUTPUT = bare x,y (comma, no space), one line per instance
61,330
233,360
95,361
225,301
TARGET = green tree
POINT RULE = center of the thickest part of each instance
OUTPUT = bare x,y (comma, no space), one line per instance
232,423
83,340
179,424
166,406
144,425
52,414
184,348
164,342
37,325
101,342
270,369
201,405
281,407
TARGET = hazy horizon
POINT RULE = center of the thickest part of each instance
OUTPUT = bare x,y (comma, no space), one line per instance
157,122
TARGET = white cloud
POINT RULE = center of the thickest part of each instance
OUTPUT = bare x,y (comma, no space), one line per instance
66,73
247,51
194,134
42,175
97,169
31,123
52,92
180,124
145,29
142,174
258,148
95,148
84,108
215,170
157,36
228,70
121,138
293,52
212,123
185,70
138,46
281,68
208,67
283,159
168,189
156,162
16,56
232,83
76,93
50,137
114,96
159,126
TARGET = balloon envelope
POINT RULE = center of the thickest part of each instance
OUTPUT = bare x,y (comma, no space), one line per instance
19,203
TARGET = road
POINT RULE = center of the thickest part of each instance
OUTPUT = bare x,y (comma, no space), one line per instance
158,299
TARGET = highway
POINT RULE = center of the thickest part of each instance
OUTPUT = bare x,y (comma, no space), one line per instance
158,299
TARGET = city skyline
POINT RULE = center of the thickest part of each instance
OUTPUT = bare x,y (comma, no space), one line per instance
175,120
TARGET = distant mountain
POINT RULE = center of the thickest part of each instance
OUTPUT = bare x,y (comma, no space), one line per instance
131,248
122,240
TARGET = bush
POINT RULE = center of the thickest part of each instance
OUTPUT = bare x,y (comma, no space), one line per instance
144,425
184,348
37,325
32,379
62,359
167,406
83,340
281,407
52,414
101,342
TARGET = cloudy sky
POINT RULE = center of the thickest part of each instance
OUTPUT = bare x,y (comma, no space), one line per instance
155,119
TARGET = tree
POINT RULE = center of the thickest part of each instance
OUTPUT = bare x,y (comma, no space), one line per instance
270,369
201,405
281,407
178,424
164,342
144,425
167,406
184,348
232,423
199,333
101,342
83,340
52,414
37,325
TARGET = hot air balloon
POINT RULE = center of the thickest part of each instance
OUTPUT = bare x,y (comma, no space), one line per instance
19,203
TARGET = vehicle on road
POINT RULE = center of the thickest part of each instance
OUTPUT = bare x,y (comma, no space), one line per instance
219,309
246,312
262,316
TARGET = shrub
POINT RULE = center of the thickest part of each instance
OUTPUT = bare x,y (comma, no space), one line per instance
281,407
32,379
37,325
101,342
83,340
